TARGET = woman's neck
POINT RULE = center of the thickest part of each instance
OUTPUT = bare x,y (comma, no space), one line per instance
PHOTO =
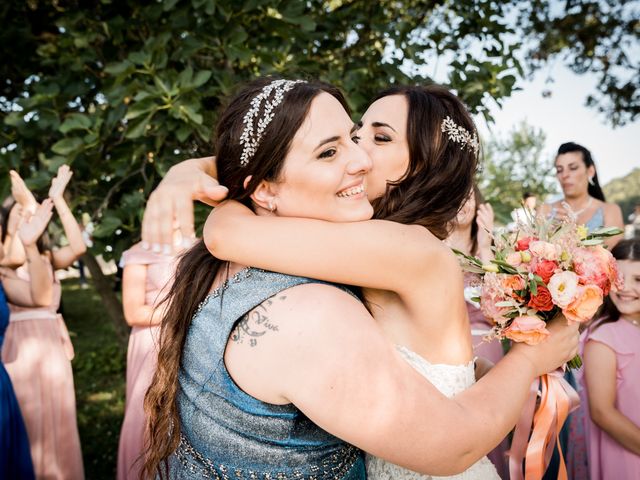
460,239
633,318
579,202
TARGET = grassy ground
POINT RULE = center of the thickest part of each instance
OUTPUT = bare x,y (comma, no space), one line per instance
99,375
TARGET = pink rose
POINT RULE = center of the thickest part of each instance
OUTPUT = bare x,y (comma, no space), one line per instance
596,266
514,259
563,287
528,329
545,250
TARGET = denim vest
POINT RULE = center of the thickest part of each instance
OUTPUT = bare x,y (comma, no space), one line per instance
228,434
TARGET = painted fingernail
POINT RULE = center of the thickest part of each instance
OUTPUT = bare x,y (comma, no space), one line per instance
156,248
187,242
166,249
145,245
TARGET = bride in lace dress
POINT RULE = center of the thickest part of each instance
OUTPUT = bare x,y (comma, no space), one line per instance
424,149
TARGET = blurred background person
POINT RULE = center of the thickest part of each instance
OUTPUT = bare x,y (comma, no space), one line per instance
37,351
146,279
611,378
578,178
15,455
472,235
519,215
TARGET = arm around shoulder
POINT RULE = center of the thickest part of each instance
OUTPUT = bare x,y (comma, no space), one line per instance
373,253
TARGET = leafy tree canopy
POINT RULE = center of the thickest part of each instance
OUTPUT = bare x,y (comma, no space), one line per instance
513,165
122,90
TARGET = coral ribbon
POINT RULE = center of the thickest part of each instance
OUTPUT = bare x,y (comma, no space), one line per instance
557,400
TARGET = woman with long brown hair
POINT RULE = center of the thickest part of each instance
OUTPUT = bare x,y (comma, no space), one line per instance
246,365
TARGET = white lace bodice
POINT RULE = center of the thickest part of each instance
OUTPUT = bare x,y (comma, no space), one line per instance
450,380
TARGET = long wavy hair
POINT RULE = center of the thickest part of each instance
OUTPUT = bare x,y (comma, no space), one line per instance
593,187
441,172
624,250
197,268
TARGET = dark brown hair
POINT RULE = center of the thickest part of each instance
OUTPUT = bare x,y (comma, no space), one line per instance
624,250
197,268
477,194
593,188
440,172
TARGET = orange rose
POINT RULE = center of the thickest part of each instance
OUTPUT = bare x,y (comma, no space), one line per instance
545,269
528,329
512,284
585,305
542,301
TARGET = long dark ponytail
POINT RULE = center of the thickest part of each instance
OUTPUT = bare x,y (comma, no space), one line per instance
197,268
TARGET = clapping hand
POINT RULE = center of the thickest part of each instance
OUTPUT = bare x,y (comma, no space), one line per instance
32,227
21,192
59,182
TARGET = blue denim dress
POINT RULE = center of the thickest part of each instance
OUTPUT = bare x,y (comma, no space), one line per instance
15,455
228,434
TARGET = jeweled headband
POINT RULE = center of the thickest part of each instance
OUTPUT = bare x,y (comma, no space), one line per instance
253,132
460,135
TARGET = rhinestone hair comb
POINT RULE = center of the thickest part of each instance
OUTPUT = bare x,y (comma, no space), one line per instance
254,127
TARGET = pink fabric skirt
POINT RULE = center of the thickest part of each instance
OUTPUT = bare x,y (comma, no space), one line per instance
142,357
37,354
491,350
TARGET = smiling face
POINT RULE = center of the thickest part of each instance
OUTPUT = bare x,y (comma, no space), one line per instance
627,300
324,174
573,174
383,135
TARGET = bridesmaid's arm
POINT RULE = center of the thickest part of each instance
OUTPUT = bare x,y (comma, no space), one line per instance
613,218
65,256
374,253
600,372
136,311
39,291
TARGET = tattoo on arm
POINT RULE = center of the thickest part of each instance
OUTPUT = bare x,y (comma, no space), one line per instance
256,323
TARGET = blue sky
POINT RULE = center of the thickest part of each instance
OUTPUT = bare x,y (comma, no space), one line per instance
563,117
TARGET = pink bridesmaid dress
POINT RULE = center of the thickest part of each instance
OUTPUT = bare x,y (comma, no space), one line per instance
37,353
491,350
607,458
141,360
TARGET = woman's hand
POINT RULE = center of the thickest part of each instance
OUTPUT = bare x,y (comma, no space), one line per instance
59,182
32,228
552,353
21,192
485,220
170,205
15,219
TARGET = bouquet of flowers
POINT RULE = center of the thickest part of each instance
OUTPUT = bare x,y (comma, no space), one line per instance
546,267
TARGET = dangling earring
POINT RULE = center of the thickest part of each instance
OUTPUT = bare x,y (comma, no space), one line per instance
591,182
272,207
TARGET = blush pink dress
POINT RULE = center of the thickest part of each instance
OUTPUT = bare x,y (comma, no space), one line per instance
491,350
607,458
37,353
142,356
